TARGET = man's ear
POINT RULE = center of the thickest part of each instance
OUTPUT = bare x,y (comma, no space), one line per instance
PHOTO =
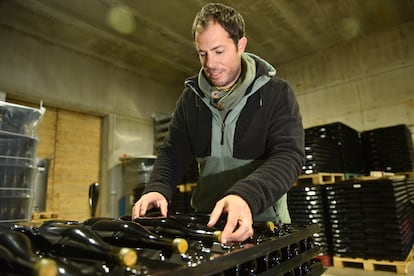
241,45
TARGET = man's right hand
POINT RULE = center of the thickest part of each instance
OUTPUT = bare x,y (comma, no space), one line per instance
149,201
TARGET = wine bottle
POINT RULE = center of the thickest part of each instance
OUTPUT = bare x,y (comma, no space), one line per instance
132,234
173,228
17,256
247,268
274,258
92,221
200,220
264,227
79,241
60,221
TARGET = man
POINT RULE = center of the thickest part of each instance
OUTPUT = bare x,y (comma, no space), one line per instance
241,124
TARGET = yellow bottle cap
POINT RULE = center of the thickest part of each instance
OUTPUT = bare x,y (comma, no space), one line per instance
180,245
217,235
270,226
128,256
46,267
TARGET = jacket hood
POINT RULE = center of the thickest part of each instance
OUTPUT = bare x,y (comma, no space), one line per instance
262,66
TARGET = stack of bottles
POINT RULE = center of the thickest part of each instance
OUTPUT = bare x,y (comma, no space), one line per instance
307,205
181,244
372,219
18,165
333,147
389,149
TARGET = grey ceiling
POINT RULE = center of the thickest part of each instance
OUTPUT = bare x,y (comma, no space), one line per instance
152,38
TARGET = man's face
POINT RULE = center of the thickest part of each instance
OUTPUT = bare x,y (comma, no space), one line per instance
219,56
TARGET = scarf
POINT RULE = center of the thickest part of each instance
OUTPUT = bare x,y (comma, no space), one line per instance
227,99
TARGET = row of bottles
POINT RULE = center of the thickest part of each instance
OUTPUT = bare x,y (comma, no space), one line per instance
57,248
110,241
18,257
128,233
100,245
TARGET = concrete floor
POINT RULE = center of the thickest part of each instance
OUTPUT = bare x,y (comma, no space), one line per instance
349,271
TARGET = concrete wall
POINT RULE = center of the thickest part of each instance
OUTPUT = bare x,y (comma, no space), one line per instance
32,69
366,83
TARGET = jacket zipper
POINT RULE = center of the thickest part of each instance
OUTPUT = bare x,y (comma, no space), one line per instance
222,133
223,124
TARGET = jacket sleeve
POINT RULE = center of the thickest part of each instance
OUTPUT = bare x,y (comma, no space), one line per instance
174,156
284,153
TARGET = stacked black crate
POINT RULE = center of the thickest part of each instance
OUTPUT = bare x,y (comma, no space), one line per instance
331,148
322,152
307,205
388,149
18,164
334,148
410,190
161,130
371,219
351,149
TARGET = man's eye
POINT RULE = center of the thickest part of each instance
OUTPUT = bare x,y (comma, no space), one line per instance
219,52
202,54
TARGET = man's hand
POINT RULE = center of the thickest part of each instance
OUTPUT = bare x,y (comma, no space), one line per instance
239,216
149,201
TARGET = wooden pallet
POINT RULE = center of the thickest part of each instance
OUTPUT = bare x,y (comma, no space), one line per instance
44,215
186,188
349,176
371,177
400,267
406,174
319,179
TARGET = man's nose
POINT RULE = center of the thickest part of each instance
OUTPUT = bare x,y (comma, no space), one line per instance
209,62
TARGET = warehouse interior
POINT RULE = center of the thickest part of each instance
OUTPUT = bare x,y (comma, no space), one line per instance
106,71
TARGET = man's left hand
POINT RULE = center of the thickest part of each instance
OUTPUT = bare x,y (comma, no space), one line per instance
239,225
